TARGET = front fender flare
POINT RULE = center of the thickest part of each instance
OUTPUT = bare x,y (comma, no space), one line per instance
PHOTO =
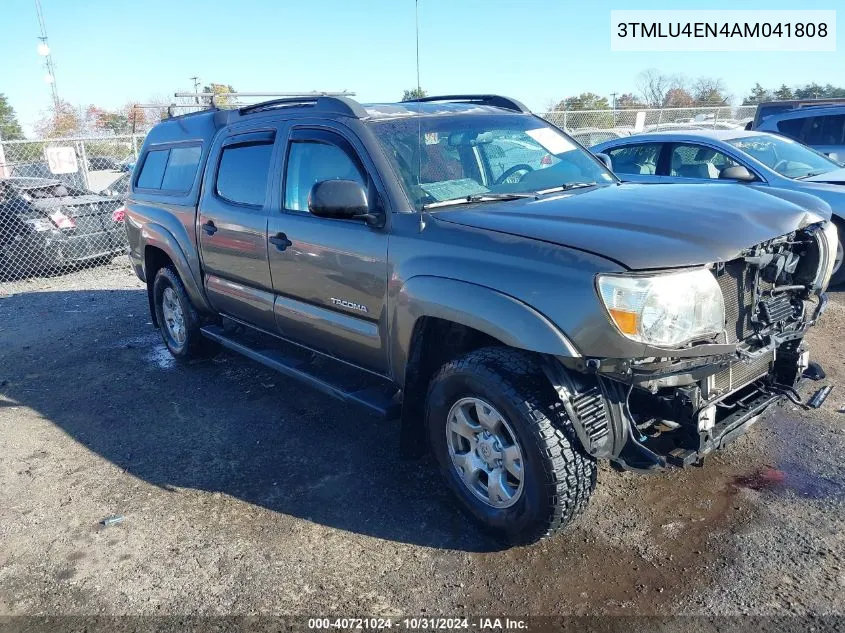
158,236
501,316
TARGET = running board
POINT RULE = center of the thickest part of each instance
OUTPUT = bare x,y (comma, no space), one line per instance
378,398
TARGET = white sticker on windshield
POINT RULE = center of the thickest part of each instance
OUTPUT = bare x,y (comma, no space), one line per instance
553,142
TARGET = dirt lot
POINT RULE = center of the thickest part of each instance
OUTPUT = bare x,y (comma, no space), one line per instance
244,493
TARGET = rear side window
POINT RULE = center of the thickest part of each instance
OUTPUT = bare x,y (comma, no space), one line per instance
152,171
791,128
825,130
635,159
181,168
243,171
170,169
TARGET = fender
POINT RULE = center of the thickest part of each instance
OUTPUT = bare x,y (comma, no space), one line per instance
153,234
506,319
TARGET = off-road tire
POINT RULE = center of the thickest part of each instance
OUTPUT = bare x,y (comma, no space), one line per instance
194,345
558,476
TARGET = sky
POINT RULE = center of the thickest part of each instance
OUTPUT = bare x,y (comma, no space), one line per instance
111,52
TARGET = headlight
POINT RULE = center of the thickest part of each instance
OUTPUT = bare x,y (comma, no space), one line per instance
664,310
829,245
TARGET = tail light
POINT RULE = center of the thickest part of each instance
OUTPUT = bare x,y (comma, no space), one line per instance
62,221
118,215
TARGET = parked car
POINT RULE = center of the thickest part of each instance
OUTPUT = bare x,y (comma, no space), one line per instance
757,159
821,127
101,163
45,224
40,169
523,318
768,108
591,136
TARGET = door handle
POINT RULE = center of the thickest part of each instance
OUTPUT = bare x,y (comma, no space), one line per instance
209,228
281,241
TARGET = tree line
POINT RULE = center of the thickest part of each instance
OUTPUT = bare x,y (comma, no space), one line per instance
65,119
659,90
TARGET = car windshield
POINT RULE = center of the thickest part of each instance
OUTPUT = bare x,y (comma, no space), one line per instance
787,157
466,157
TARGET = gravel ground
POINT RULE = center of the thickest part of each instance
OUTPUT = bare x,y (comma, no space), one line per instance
244,493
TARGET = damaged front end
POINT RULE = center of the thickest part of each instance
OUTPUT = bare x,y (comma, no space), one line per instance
676,406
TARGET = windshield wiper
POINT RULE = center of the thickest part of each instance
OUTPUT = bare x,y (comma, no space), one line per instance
479,197
566,187
815,172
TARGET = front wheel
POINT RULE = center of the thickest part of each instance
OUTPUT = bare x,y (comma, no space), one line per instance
505,447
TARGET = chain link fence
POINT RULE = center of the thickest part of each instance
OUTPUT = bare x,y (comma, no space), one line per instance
591,127
61,204
61,198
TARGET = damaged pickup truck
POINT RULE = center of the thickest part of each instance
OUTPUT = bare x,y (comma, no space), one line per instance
465,266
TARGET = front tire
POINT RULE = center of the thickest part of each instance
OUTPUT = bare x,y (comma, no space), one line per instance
177,318
505,447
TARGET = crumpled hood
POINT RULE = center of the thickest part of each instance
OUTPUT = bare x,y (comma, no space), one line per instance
647,226
837,176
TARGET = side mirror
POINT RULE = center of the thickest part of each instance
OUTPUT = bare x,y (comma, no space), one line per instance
341,199
605,159
737,172
833,156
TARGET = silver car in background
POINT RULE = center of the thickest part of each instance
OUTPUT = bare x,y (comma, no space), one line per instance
756,159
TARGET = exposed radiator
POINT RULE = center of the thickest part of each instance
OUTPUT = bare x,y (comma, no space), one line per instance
741,373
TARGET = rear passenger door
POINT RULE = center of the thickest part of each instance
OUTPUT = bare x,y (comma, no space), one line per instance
232,225
329,275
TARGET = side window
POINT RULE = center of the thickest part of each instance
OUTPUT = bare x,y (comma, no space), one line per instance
825,130
792,128
181,168
152,171
312,161
635,159
170,169
697,161
243,172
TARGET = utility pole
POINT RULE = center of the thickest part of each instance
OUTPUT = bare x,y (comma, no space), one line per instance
613,94
196,81
44,51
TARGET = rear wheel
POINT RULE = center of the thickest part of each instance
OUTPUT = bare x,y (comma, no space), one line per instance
504,446
177,318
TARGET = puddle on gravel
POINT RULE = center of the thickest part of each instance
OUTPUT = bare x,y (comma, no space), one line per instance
790,478
647,542
160,357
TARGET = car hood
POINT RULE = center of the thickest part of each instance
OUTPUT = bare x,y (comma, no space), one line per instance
837,177
646,226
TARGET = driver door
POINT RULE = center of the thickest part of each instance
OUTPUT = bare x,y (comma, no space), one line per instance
329,275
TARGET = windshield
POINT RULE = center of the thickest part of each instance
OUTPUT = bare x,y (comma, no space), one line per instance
787,157
457,157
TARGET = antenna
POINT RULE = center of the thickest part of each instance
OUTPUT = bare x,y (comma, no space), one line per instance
417,28
419,108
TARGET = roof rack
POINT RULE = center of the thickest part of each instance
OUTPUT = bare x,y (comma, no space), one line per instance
215,95
324,103
496,101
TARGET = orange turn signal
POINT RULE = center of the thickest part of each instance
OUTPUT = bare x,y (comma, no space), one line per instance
625,321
